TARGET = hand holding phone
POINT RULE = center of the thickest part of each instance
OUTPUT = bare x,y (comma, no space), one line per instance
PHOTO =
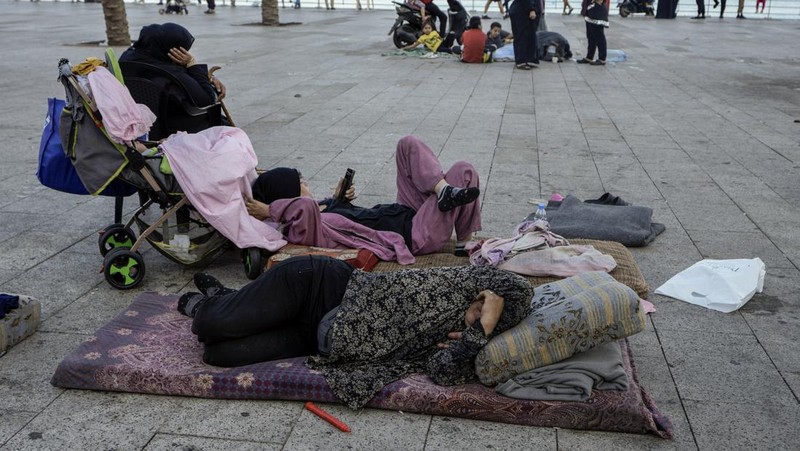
347,182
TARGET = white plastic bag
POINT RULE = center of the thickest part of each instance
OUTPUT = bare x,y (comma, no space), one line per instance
722,285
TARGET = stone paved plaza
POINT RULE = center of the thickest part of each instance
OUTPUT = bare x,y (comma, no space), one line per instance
699,124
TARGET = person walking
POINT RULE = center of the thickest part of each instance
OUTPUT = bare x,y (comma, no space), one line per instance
701,9
739,11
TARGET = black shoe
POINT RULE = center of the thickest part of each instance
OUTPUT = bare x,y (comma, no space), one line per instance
741,16
584,61
452,197
190,302
486,16
523,67
698,17
210,286
210,11
598,63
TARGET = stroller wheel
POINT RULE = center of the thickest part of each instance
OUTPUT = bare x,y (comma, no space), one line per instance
161,11
115,236
253,263
123,268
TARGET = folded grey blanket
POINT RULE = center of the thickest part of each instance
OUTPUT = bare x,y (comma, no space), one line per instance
630,225
572,379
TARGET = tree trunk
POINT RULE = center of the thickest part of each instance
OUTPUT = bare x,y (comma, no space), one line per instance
116,23
269,13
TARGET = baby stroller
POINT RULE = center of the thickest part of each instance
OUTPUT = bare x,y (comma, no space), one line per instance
164,218
174,7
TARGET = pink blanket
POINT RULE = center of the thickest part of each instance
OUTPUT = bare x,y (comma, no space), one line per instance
216,168
306,225
123,118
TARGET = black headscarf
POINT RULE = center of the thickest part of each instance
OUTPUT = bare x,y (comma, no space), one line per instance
157,39
278,183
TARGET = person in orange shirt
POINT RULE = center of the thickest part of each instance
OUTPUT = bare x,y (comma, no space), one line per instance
475,43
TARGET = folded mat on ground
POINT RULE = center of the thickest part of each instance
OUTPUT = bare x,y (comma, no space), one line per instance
149,348
613,220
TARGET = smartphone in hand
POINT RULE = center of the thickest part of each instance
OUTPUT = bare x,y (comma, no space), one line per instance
346,184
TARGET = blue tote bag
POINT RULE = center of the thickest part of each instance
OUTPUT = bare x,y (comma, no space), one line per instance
55,168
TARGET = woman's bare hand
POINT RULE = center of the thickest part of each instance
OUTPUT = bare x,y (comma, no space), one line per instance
256,209
181,57
491,310
455,335
219,87
349,195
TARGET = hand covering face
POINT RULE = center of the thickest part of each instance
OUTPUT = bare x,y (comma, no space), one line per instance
157,39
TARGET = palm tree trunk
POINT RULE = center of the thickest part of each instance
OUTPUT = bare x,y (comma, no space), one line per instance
269,13
116,23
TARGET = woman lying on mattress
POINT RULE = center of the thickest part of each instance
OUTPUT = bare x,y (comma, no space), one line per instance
363,330
430,204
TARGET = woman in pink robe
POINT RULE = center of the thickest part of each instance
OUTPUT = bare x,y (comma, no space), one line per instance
430,205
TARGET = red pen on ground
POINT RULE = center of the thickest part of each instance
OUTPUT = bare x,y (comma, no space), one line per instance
313,408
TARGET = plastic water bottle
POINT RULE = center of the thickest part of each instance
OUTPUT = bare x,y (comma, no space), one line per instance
540,213
616,56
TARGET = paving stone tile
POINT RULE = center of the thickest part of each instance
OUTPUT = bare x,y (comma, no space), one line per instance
721,425
587,441
26,369
11,421
408,431
85,419
170,442
700,360
723,245
260,421
54,286
456,433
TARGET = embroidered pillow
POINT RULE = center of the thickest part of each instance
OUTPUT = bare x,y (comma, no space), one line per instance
569,316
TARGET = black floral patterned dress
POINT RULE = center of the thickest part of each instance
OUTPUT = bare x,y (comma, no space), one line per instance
388,326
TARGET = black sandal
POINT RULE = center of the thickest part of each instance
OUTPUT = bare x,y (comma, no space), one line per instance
523,67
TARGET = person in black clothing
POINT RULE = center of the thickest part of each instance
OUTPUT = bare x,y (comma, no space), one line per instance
701,9
167,46
525,16
428,8
458,22
427,210
596,22
362,330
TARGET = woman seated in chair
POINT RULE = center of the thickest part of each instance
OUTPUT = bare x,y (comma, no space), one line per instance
166,48
365,330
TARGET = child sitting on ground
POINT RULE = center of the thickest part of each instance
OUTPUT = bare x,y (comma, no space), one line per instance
429,38
596,22
475,47
497,37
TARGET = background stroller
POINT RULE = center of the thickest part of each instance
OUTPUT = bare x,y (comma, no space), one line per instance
174,7
164,217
